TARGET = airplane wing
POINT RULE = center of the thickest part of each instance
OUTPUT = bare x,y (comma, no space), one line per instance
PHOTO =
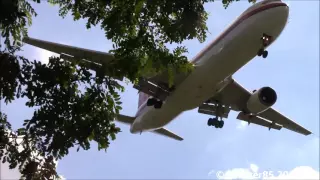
76,52
154,86
235,97
93,60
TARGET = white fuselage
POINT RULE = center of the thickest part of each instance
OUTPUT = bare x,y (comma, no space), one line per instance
234,48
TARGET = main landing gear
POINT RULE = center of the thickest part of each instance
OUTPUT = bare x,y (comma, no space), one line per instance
215,122
219,111
154,102
266,40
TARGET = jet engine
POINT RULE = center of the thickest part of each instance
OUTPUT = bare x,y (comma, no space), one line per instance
261,100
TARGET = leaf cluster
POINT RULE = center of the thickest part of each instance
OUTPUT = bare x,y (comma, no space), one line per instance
15,16
65,115
141,29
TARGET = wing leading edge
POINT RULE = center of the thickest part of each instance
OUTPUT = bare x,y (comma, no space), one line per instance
76,52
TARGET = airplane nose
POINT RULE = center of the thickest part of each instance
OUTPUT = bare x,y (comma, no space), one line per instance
271,1
279,2
284,3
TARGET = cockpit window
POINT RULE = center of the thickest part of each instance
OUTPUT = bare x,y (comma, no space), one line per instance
268,1
257,4
254,6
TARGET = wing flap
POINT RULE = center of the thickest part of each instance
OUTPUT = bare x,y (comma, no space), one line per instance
210,109
158,85
273,115
258,121
89,64
163,78
234,95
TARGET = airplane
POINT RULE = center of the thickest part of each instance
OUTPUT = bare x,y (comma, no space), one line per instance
210,86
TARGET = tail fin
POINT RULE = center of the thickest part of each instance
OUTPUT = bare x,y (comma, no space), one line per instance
142,98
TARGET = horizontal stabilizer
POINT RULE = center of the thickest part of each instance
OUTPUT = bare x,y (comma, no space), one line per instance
165,132
125,119
258,121
162,131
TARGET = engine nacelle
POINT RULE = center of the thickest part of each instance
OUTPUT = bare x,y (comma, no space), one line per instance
261,100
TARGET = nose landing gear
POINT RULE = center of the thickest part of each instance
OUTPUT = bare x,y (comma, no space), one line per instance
263,53
218,114
266,40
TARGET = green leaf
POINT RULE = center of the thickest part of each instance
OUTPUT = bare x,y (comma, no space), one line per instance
118,102
91,136
113,136
76,15
21,131
118,107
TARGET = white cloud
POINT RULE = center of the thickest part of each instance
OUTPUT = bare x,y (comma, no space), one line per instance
254,168
242,125
300,172
238,173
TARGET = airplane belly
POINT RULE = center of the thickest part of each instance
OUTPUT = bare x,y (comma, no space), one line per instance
221,61
228,56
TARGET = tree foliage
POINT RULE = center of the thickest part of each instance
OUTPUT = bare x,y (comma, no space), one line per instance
72,105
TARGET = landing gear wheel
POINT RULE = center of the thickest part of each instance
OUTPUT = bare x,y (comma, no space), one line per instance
210,122
260,52
151,102
216,124
265,54
158,105
221,123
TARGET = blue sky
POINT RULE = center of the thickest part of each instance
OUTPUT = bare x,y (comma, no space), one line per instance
292,69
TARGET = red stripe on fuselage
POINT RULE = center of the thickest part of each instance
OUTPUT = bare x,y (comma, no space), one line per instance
234,25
